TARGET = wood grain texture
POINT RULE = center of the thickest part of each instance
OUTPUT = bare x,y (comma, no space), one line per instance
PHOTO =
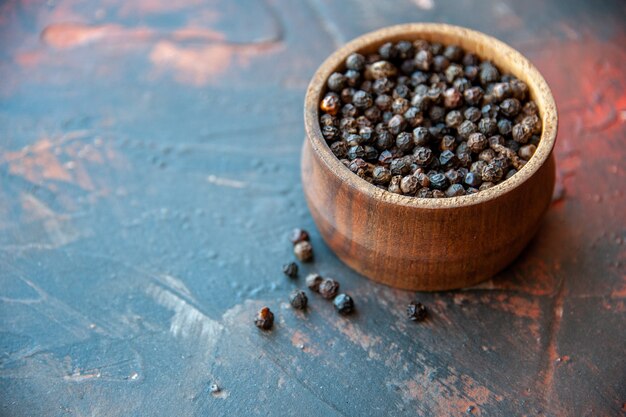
428,244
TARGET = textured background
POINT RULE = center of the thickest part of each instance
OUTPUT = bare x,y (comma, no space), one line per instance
149,174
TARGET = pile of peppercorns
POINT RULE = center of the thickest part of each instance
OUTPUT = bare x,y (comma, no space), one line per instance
427,120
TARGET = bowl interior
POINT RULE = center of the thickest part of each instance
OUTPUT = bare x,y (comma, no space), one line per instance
507,59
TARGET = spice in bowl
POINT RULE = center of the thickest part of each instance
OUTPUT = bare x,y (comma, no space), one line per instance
426,120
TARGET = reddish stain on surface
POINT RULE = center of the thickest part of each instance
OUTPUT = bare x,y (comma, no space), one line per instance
72,35
200,65
450,396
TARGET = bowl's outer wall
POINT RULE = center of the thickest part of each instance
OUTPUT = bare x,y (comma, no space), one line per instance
432,245
424,249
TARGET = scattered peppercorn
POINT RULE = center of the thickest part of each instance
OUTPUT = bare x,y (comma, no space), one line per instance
313,281
415,118
298,299
343,303
328,288
264,319
303,251
291,269
298,235
416,311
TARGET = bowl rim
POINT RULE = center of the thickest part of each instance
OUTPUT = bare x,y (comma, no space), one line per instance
535,81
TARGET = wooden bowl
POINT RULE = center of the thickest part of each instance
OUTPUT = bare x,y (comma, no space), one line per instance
427,244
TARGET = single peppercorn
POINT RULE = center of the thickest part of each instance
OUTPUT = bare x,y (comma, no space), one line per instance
303,251
298,299
330,104
343,303
264,319
455,190
404,141
381,175
510,107
448,159
355,62
313,281
362,100
394,184
416,311
476,142
336,82
298,235
492,173
381,69
328,288
527,151
521,133
409,185
291,269
467,128
400,166
438,181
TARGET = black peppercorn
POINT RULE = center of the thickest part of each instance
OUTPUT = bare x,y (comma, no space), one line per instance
356,152
381,175
454,119
487,155
336,82
399,166
352,77
487,126
455,190
355,62
526,151
421,136
472,179
339,149
394,184
388,51
264,319
448,159
510,173
413,116
510,107
313,281
328,288
438,181
518,88
466,129
298,235
416,311
396,124
409,185
303,251
488,73
343,303
404,141
521,133
472,114
454,176
473,95
291,269
381,69
447,143
476,142
298,299
492,173
330,104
